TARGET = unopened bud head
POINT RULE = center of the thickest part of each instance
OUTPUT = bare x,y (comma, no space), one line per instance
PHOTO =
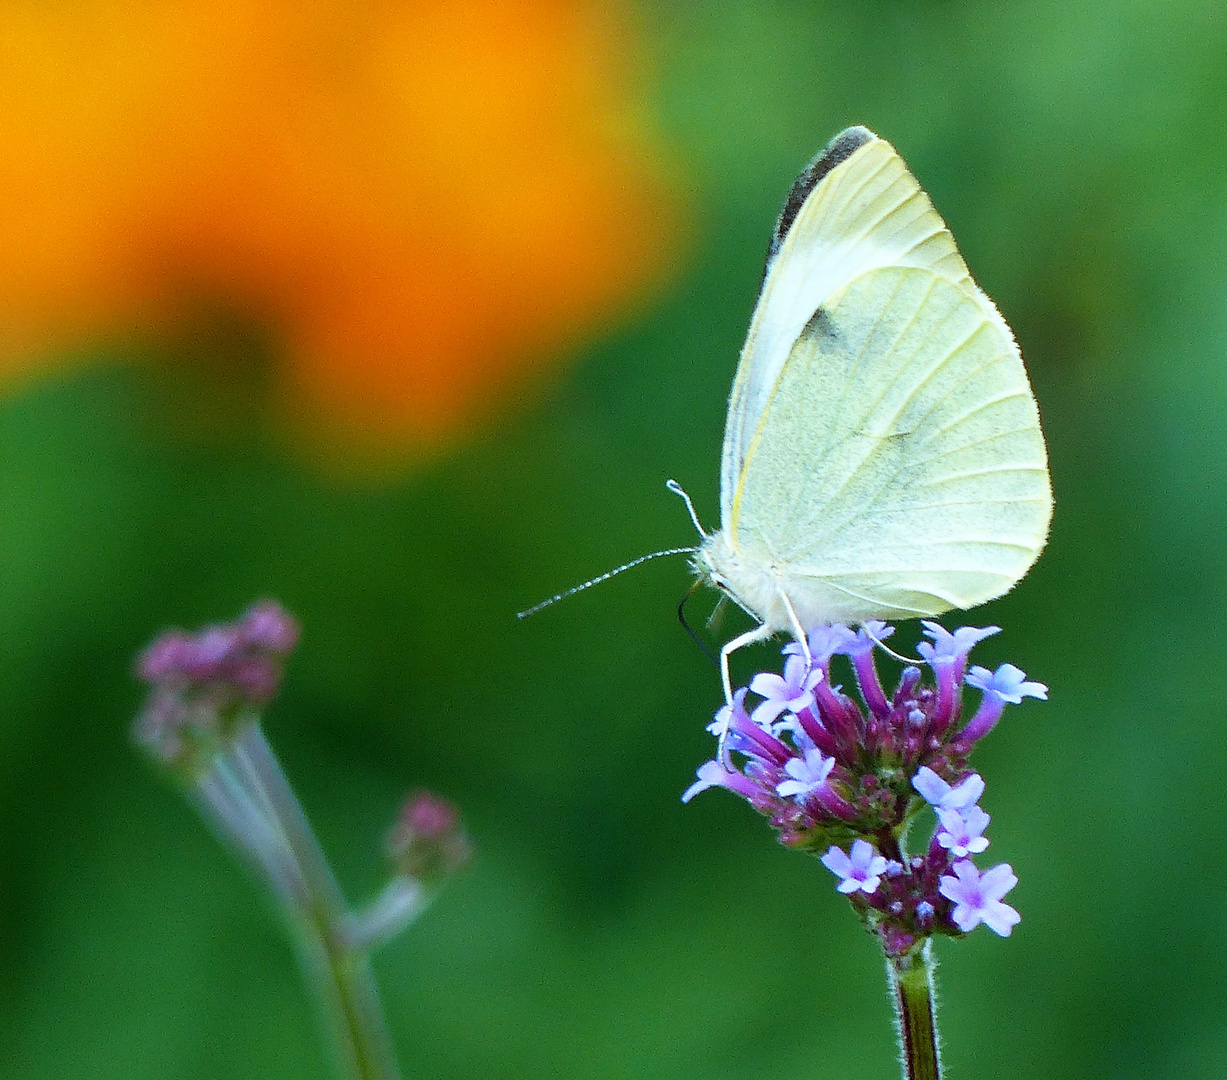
428,841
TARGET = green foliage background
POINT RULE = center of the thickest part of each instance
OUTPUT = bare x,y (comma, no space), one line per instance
1079,152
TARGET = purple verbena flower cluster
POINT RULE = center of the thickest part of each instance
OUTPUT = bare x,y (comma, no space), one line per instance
200,683
845,778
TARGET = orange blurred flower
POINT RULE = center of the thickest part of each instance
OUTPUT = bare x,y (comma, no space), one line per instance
421,198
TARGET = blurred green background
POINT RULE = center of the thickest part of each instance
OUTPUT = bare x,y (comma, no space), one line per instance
1079,153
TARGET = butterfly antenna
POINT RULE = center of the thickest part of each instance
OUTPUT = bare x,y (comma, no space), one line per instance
677,489
604,577
681,617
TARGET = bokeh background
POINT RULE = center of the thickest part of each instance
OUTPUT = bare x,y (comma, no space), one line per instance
403,313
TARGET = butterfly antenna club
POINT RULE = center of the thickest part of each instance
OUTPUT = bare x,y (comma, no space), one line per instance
680,491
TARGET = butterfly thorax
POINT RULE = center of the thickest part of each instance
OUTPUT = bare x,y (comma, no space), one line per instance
754,583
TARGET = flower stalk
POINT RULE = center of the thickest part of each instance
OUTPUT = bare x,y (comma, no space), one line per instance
202,725
911,978
334,966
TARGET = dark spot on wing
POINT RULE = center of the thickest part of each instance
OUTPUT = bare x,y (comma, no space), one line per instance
821,326
837,151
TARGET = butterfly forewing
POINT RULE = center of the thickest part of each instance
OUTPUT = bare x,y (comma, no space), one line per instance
865,212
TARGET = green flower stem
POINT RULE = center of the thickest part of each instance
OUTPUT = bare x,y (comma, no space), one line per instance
347,1003
402,900
911,978
337,971
257,764
221,799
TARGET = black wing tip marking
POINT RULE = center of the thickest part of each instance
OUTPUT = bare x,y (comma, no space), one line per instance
836,152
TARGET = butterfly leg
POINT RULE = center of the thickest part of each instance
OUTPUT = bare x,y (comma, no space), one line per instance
759,633
798,630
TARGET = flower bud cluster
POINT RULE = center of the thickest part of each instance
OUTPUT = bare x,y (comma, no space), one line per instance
845,778
202,683
202,723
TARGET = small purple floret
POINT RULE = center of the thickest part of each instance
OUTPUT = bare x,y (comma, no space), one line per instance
940,794
710,774
977,897
790,693
713,774
428,815
947,656
859,649
213,647
166,658
428,841
962,831
726,715
859,872
267,625
949,647
824,642
871,634
1006,685
806,774
1007,682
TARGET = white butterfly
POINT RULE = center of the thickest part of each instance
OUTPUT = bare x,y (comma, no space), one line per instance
883,455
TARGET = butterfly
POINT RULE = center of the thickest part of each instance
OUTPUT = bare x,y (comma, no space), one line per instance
883,457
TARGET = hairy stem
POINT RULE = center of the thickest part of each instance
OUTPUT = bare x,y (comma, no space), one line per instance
911,977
